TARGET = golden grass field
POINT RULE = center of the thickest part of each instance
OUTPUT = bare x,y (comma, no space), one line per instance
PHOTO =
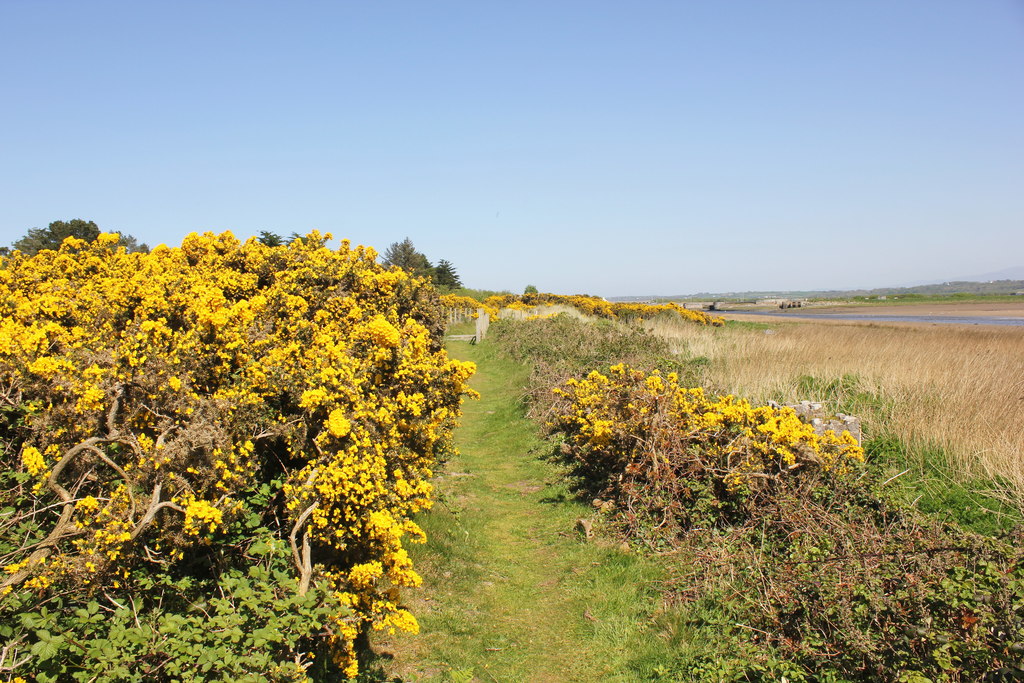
957,387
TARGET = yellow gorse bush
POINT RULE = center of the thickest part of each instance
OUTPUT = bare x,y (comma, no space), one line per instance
587,305
674,458
598,307
630,311
146,395
466,304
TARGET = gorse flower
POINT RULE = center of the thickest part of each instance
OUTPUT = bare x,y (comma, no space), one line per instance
165,400
684,457
33,461
589,305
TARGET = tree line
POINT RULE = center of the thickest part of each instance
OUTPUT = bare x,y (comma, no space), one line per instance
404,255
52,236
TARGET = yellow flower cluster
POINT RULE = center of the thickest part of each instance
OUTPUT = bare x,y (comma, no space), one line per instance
628,311
648,430
200,513
589,305
155,388
33,461
466,305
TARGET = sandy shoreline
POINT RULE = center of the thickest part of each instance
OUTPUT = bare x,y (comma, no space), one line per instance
967,309
998,310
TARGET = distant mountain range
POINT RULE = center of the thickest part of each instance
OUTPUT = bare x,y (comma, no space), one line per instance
1008,281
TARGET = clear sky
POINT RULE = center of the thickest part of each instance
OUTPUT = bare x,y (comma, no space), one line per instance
612,148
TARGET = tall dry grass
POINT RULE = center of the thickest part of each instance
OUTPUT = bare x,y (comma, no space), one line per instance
956,387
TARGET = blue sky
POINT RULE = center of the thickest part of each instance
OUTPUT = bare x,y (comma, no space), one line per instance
611,148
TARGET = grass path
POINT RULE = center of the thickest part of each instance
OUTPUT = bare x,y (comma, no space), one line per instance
512,591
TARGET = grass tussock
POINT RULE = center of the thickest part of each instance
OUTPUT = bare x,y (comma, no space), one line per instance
939,387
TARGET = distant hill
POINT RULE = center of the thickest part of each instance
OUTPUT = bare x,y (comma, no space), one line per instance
952,287
1004,274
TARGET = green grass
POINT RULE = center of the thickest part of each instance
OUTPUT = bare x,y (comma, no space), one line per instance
924,477
467,327
926,481
846,394
512,591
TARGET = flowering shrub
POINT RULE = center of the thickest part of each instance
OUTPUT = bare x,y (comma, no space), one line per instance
177,416
670,459
627,311
465,306
599,308
812,573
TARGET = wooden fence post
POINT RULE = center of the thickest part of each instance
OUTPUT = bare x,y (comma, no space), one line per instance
483,321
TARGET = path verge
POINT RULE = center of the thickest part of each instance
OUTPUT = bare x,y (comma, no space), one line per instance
512,590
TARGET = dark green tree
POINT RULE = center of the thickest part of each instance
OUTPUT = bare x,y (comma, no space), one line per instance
445,275
131,244
405,256
271,239
530,289
52,236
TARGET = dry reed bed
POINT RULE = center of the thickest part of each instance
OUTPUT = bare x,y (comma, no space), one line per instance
960,388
